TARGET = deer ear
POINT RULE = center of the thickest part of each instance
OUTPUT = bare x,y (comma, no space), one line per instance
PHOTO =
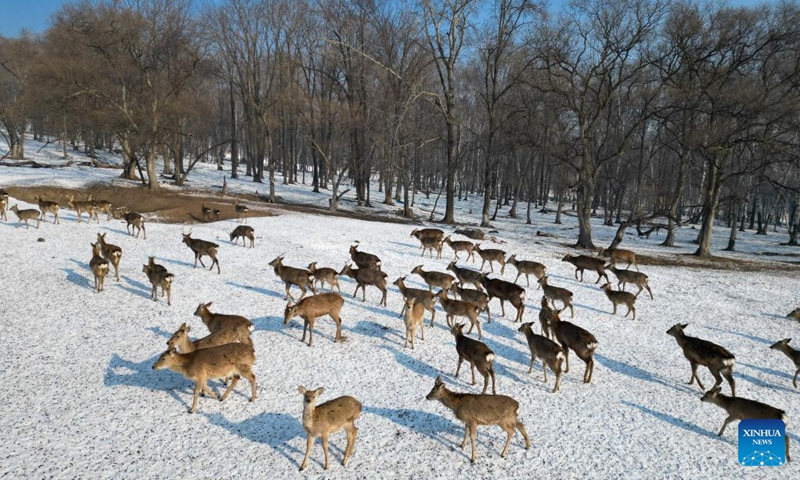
439,380
208,304
684,325
302,390
188,329
319,391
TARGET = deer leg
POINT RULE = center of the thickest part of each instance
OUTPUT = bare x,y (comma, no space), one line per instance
725,424
472,369
544,370
491,373
615,308
422,330
566,359
251,377
649,291
530,367
230,388
794,380
521,429
503,306
355,291
587,374
728,374
198,387
509,428
403,311
311,332
558,381
695,376
325,449
309,443
305,326
571,310
480,331
717,377
351,432
466,434
338,321
458,367
472,435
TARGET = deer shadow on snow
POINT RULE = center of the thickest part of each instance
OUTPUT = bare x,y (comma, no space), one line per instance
275,430
638,373
127,373
676,422
136,288
78,279
435,427
263,291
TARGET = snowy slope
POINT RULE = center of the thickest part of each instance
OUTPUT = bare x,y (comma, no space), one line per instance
82,399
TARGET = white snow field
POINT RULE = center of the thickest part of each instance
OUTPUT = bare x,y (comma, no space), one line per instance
82,400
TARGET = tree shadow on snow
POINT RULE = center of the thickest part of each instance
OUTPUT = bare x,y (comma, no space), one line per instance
263,291
677,422
743,335
637,373
275,430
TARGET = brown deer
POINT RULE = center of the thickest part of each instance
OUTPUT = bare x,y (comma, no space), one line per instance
476,353
27,214
83,206
557,293
621,298
99,266
364,259
218,322
206,212
135,220
744,409
420,297
794,355
702,352
159,277
180,339
503,290
460,308
634,278
3,206
313,307
467,275
201,248
546,319
325,274
241,212
364,277
478,297
476,410
548,351
435,279
46,206
492,255
329,417
101,206
217,212
414,314
293,276
461,246
585,262
620,255
244,232
112,253
527,267
583,343
220,362
795,314
428,234
432,245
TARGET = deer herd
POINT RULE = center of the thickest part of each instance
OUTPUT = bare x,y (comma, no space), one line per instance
228,352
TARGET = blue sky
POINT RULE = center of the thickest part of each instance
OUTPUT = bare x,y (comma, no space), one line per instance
34,15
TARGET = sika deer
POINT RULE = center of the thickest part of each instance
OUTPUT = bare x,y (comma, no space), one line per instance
527,267
101,206
217,212
230,360
621,298
618,254
794,355
206,213
135,220
99,266
557,293
476,410
330,417
745,409
218,322
313,307
492,255
467,275
364,277
83,206
46,206
414,313
546,319
480,299
201,248
159,277
432,245
325,274
548,351
180,340
3,206
241,212
635,278
460,308
476,353
583,343
795,314
428,234
364,259
461,246
496,288
27,214
420,296
702,352
112,253
435,279
585,262
293,276
243,232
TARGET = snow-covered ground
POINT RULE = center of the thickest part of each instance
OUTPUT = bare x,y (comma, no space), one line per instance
82,399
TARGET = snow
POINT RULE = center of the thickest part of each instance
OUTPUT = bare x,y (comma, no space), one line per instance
82,399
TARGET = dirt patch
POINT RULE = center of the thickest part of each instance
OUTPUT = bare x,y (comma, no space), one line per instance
169,205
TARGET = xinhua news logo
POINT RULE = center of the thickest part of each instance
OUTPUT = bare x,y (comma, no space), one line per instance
762,443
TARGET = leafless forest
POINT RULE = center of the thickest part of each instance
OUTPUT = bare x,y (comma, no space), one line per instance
645,112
